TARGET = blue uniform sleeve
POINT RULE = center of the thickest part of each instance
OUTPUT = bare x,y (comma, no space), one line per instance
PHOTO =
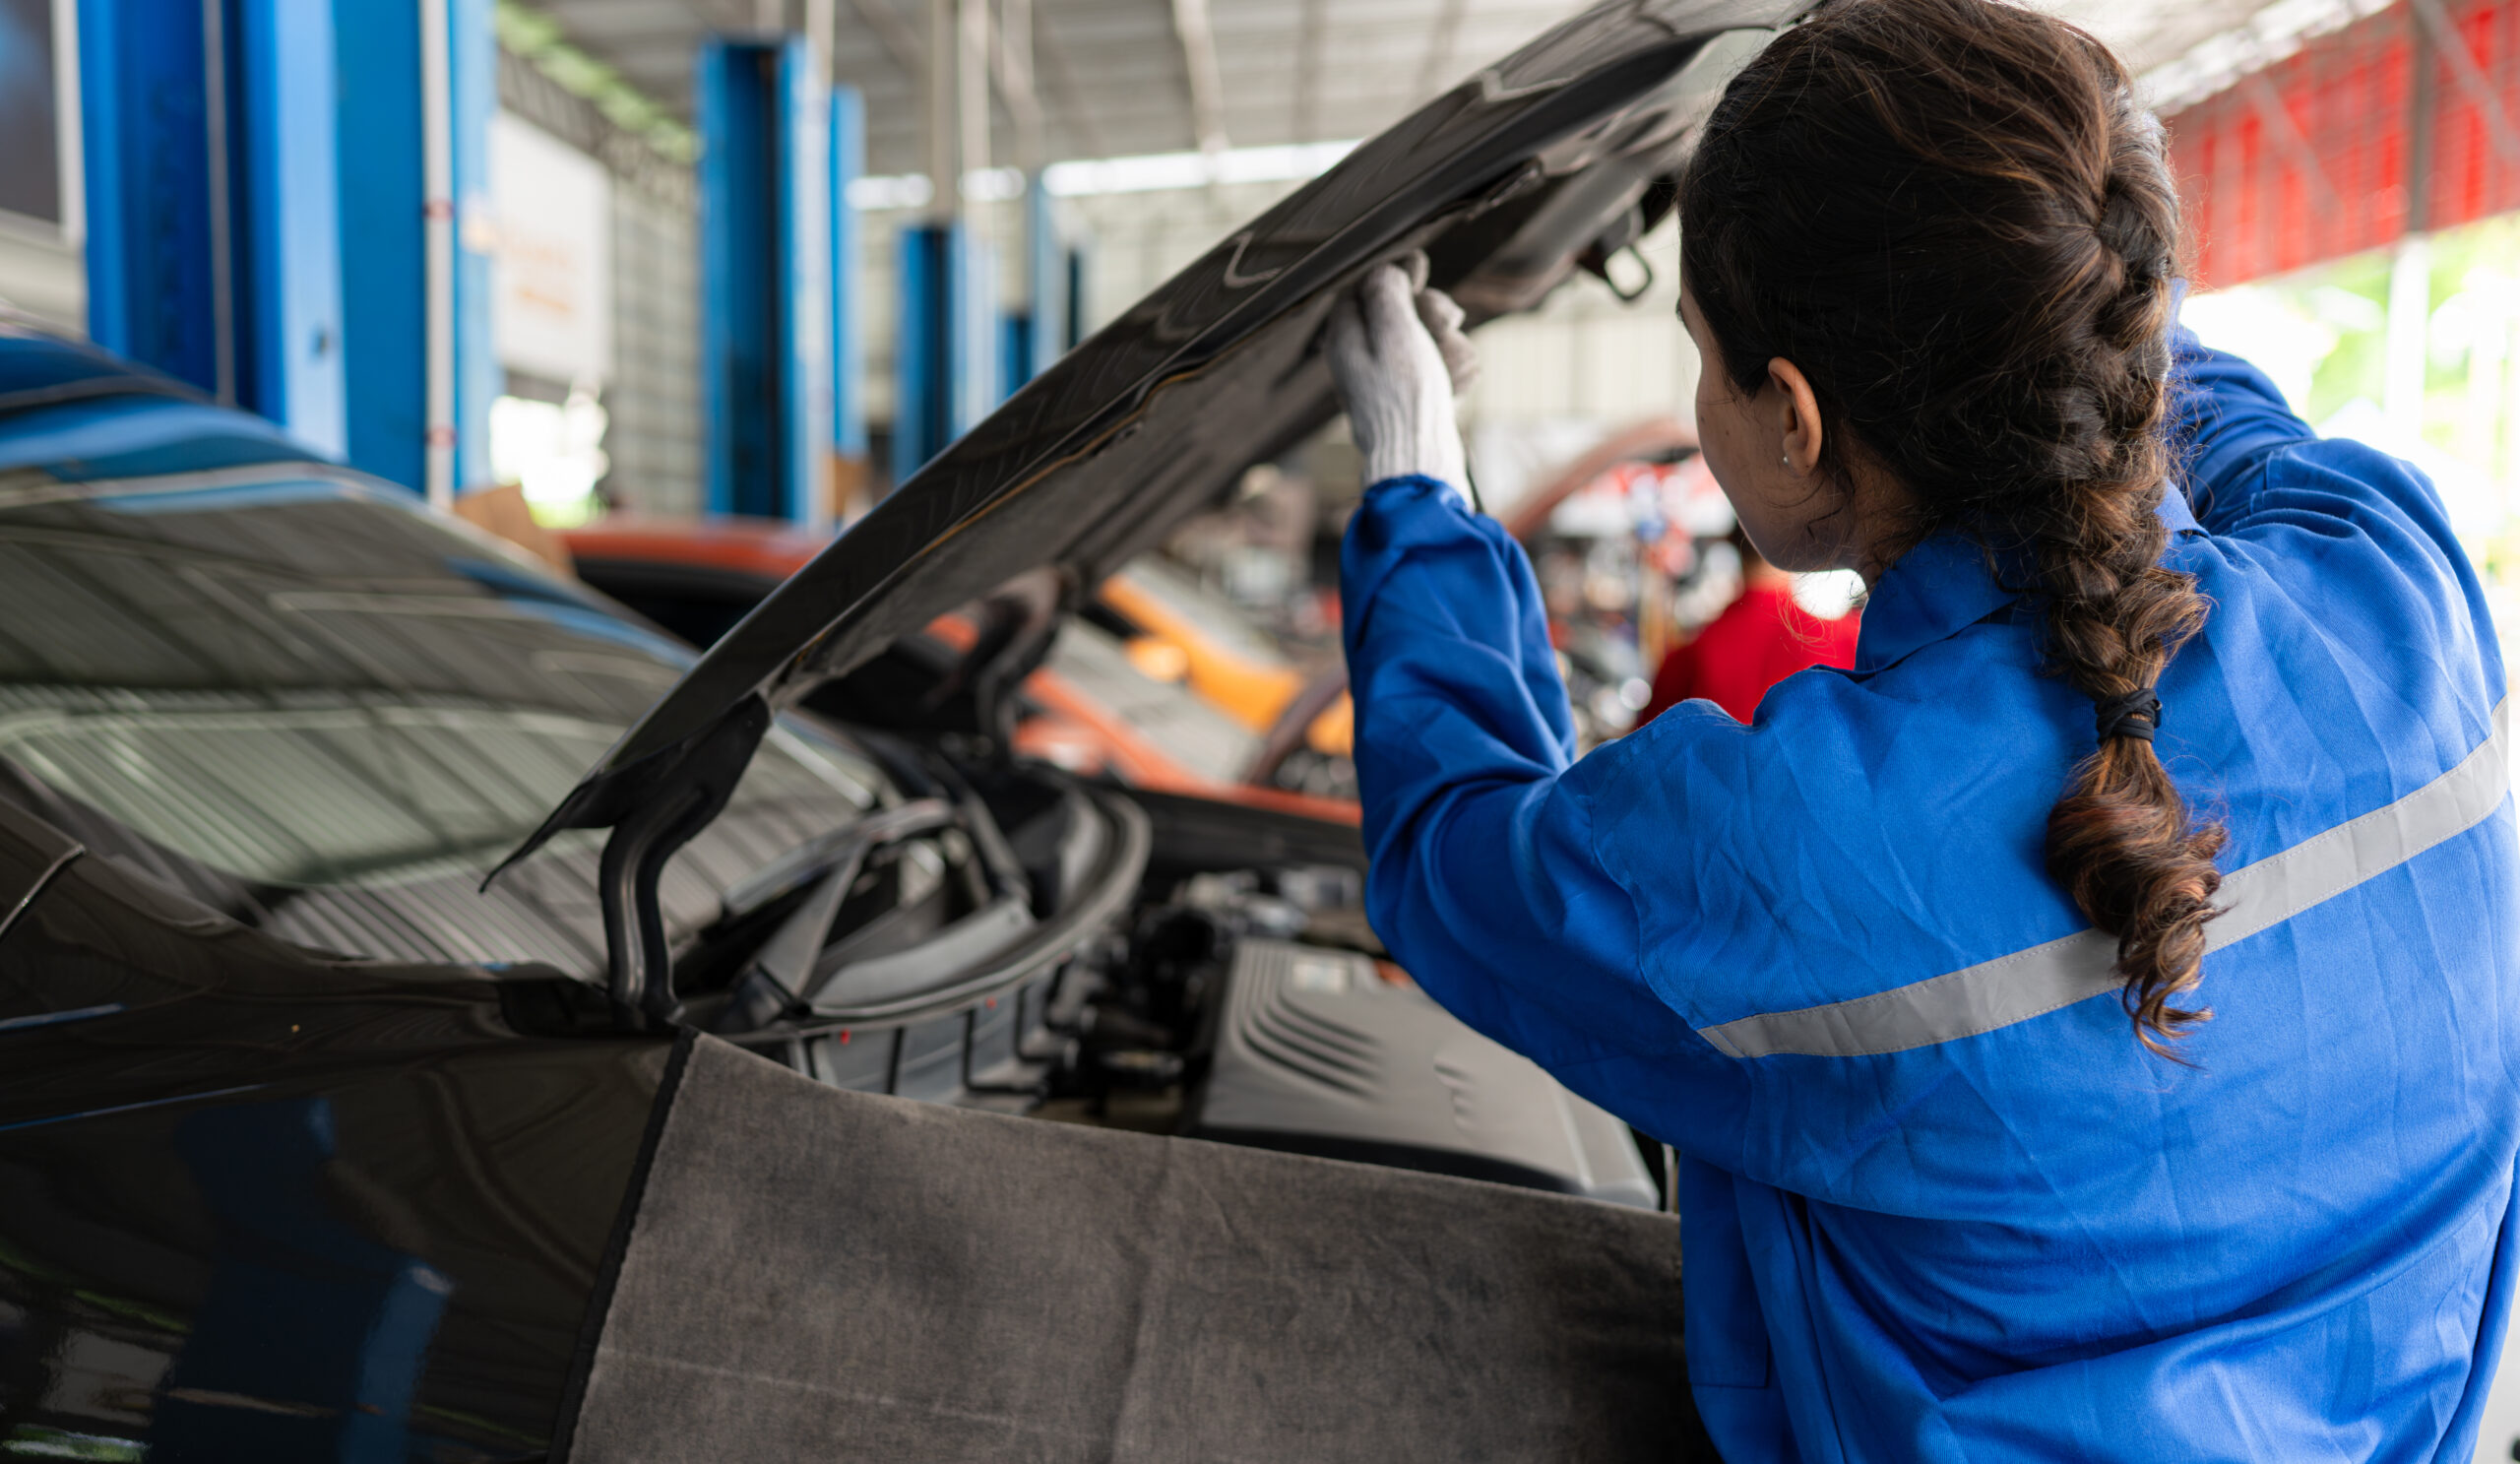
1485,880
2257,473
2227,419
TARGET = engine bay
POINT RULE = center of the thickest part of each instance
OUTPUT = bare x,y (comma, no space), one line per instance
1047,946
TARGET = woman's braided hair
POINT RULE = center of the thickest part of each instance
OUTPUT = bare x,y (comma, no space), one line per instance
1952,216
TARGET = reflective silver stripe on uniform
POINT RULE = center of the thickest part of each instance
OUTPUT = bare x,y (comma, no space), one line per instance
2032,983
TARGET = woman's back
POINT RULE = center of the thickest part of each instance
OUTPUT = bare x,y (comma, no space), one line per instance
1985,1214
2091,1025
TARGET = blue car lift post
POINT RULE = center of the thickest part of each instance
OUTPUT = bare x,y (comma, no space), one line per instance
259,215
947,341
771,317
1039,332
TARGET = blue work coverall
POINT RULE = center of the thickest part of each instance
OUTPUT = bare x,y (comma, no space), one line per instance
1937,1202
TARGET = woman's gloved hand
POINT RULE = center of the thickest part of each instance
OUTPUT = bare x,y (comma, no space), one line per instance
1397,354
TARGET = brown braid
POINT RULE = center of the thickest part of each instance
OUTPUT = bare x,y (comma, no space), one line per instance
1951,216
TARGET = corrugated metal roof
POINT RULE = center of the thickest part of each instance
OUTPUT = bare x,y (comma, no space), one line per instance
1113,78
1113,74
2146,33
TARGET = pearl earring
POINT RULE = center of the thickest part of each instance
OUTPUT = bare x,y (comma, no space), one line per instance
1786,460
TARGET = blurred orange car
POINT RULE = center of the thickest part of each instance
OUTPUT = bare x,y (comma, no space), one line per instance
1179,631
1092,707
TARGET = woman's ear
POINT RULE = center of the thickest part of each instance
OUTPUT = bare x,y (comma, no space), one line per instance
1798,416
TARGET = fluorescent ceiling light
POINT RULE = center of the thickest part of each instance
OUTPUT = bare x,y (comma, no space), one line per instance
1159,170
905,191
1085,177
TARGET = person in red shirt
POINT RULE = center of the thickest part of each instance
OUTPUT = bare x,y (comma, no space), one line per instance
1761,638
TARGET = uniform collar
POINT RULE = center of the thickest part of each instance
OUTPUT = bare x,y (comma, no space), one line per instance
1944,585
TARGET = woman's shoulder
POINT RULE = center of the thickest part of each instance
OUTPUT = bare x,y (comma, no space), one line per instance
2333,485
1828,743
2349,535
1862,831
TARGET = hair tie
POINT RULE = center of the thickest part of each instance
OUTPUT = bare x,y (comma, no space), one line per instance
2137,715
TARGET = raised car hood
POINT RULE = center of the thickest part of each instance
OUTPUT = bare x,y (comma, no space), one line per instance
1505,181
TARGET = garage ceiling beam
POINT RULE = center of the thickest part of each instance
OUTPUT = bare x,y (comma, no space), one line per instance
1439,47
1306,122
2278,118
1071,96
1012,59
2470,78
972,38
899,40
1199,58
943,114
1112,76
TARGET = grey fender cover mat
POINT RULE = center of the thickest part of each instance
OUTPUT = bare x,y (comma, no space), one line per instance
813,1274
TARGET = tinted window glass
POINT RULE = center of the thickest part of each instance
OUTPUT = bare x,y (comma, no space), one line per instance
304,683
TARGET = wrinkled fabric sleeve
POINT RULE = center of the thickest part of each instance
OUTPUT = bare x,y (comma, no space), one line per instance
2255,469
1485,879
2226,418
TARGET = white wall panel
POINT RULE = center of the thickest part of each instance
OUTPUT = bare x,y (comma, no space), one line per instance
551,300
654,398
1586,357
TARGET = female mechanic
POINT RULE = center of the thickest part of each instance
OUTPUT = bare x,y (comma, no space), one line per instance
2088,1024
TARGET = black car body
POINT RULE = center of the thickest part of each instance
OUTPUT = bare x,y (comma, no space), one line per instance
313,1147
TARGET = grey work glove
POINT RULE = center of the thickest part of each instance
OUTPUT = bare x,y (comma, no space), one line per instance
1397,354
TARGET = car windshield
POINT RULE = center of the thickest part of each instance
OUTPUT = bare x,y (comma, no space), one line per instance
305,683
